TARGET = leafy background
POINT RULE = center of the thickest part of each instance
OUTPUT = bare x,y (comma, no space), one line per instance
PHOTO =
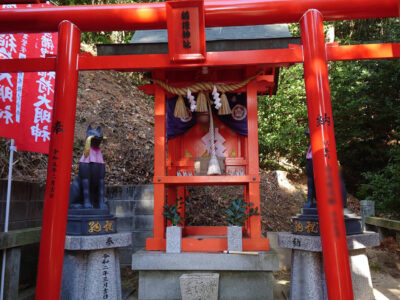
366,110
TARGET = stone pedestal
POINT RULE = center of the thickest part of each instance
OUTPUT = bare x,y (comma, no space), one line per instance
244,277
307,274
307,223
91,267
197,286
174,239
90,221
235,241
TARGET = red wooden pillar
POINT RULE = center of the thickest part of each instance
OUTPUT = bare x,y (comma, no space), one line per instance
253,189
159,164
330,210
59,164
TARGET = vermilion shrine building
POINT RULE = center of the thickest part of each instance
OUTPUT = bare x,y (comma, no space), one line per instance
186,144
188,53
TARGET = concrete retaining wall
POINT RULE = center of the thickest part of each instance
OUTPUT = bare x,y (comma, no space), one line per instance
132,205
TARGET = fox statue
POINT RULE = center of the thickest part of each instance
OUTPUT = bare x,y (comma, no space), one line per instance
87,190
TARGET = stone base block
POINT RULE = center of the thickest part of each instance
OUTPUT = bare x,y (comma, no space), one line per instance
199,286
174,239
90,222
307,274
235,242
241,277
91,268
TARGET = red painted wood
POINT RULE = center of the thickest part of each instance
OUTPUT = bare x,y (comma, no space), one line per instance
159,159
362,52
204,230
207,180
28,65
217,13
55,209
253,189
275,57
21,1
162,61
326,176
216,244
193,11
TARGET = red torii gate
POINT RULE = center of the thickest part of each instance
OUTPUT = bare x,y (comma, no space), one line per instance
314,54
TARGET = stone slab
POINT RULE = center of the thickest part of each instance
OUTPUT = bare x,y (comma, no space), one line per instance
199,261
198,286
306,280
125,224
361,275
307,272
139,238
308,276
174,239
130,192
235,242
144,207
91,275
313,243
106,241
233,285
121,208
143,222
284,254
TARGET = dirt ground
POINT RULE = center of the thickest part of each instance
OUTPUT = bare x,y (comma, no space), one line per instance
384,262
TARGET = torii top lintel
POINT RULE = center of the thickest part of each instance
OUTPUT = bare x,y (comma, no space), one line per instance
217,13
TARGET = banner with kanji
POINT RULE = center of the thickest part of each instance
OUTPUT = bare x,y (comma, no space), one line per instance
26,99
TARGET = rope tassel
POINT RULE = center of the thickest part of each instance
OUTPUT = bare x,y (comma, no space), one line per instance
201,105
180,108
225,109
204,86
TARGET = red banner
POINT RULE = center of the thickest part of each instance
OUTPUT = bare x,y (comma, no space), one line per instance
26,99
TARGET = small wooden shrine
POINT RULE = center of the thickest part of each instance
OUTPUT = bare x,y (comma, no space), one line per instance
183,138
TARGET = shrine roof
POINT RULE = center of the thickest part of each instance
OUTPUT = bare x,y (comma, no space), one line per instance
220,33
231,38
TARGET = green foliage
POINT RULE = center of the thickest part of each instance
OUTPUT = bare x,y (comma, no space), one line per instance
283,119
239,211
366,102
172,212
366,110
384,186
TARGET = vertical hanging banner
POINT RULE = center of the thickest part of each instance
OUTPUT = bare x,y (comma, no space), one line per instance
186,31
26,99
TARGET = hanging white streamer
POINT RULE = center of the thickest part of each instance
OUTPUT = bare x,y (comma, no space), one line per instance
217,99
191,100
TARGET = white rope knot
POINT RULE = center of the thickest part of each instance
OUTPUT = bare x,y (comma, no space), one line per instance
192,102
217,99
